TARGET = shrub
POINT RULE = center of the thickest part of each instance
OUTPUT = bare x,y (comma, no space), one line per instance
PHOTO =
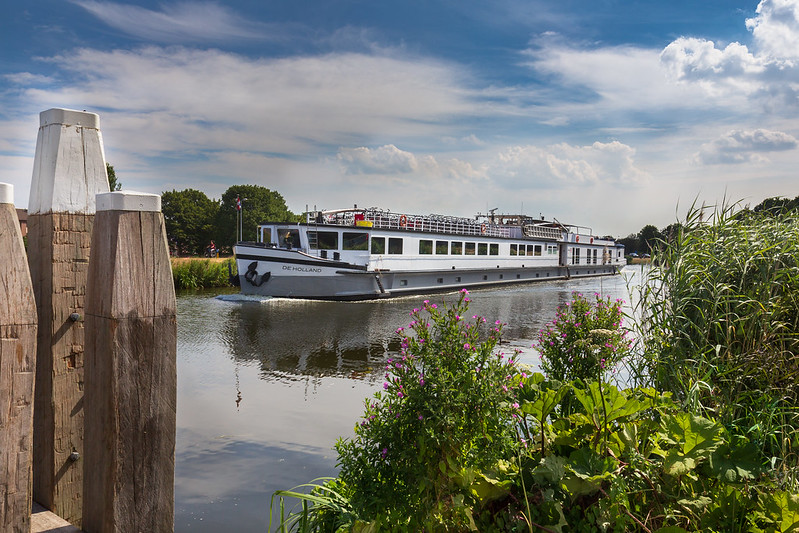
443,417
583,340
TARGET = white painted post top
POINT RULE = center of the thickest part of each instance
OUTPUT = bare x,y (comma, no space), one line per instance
69,165
6,193
69,117
128,201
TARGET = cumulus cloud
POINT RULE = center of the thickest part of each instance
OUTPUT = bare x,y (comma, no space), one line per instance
775,29
767,73
384,160
179,22
564,165
740,146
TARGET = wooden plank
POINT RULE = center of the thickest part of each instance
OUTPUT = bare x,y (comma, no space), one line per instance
131,380
17,366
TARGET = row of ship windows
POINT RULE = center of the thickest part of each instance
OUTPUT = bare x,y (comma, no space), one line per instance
328,240
360,241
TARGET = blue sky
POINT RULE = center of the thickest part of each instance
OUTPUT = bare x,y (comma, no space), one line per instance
605,113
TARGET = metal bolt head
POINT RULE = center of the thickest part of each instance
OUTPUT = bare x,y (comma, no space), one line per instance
74,317
74,456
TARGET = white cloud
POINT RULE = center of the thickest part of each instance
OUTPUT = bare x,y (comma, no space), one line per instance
776,29
739,146
179,22
564,165
384,160
171,100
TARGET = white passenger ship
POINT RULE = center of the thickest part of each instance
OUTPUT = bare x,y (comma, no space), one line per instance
356,254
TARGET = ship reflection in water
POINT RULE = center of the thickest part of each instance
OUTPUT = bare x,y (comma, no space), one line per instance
265,387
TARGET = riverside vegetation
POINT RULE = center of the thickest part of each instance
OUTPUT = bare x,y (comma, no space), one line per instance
704,437
192,273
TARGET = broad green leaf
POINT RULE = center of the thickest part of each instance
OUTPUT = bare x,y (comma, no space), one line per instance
605,403
696,505
487,489
546,402
551,469
734,465
586,470
783,509
694,435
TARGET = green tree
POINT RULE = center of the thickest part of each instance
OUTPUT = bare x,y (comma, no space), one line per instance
630,242
259,204
113,184
189,216
648,238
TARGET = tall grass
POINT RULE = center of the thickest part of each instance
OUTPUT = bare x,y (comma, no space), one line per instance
720,323
201,273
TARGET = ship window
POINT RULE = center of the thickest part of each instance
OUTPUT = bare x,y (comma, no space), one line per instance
482,249
470,248
494,249
575,256
288,238
440,280
594,256
378,245
323,240
355,241
513,248
403,283
456,248
425,247
530,249
537,249
442,247
394,245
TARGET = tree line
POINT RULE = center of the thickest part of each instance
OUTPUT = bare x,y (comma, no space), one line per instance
650,237
193,220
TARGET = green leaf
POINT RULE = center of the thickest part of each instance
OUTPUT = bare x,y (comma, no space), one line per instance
550,470
586,472
607,403
737,464
546,402
694,438
783,509
487,489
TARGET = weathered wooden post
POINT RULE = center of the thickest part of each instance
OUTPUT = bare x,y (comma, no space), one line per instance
131,381
68,171
17,366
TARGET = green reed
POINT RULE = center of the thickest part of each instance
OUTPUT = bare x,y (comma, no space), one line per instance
720,323
201,273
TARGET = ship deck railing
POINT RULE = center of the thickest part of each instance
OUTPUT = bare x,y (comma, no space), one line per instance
433,224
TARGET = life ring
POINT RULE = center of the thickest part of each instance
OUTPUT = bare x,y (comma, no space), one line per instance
576,238
592,240
403,221
483,229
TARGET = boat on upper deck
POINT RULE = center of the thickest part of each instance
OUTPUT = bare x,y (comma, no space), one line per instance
356,254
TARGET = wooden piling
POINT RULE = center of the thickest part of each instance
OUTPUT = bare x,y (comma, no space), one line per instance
131,382
17,366
69,170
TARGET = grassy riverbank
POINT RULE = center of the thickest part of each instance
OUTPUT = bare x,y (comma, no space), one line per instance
202,273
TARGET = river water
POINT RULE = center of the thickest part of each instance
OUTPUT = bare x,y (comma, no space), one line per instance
265,387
